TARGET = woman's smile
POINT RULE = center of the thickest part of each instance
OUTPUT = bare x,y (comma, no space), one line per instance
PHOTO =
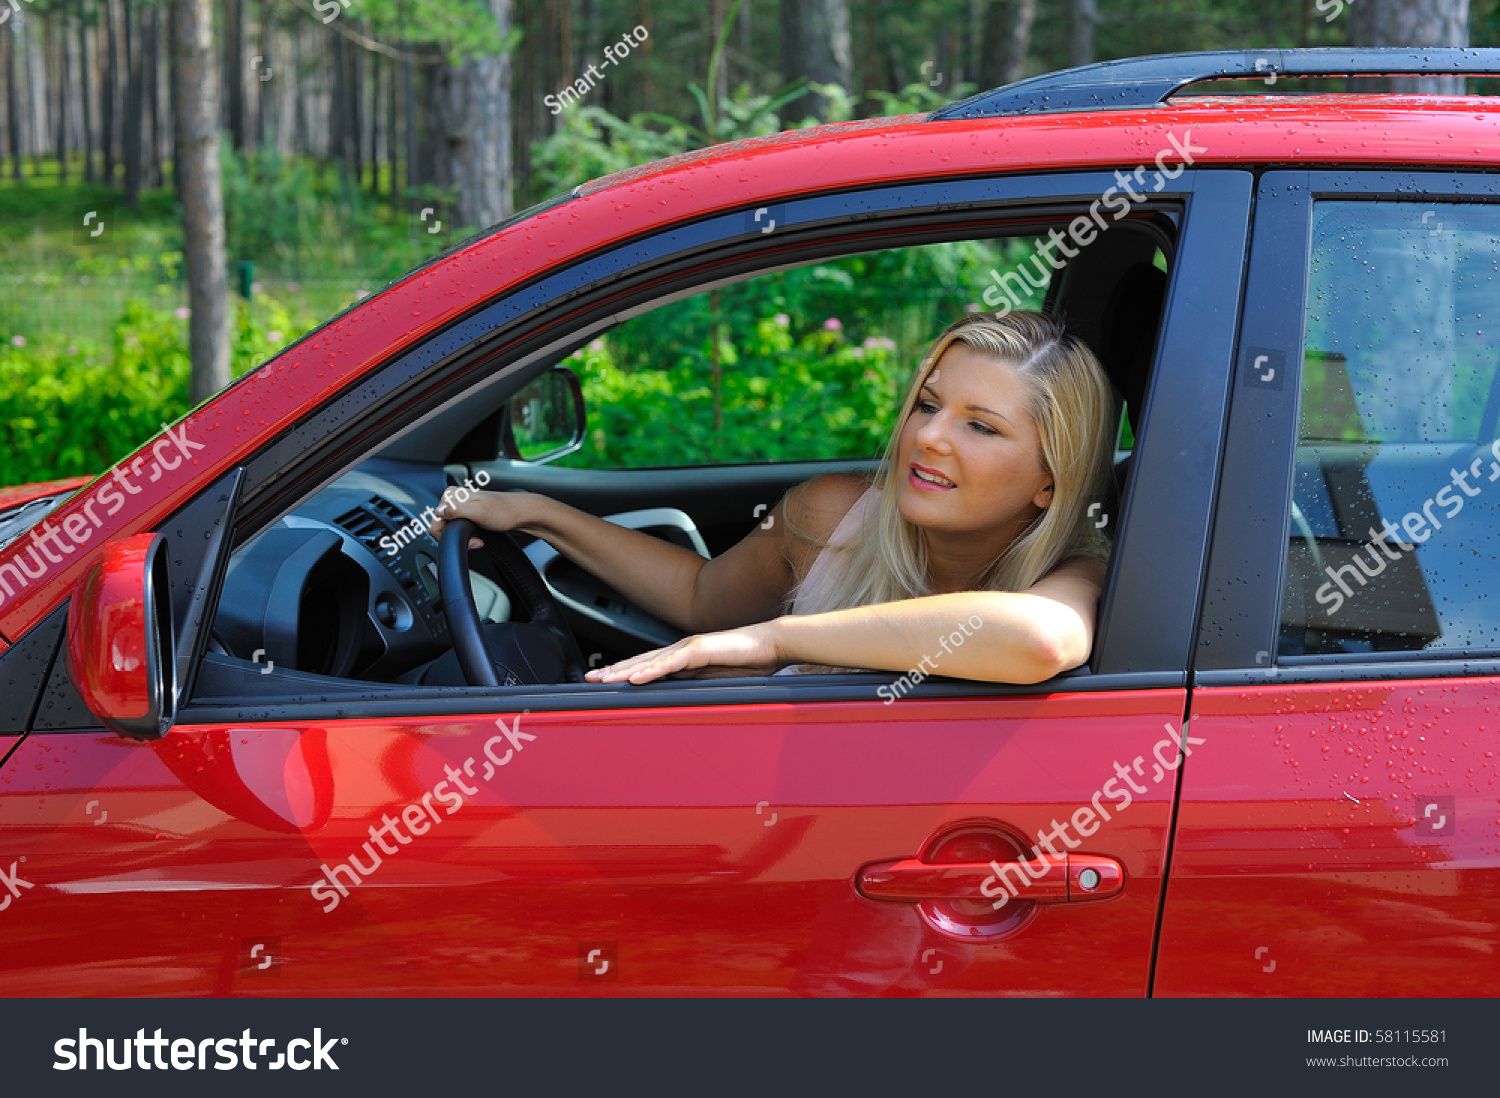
929,480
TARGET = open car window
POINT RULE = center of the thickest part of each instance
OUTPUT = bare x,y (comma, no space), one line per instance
701,413
801,365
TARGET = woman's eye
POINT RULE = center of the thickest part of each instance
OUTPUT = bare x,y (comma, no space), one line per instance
983,428
926,407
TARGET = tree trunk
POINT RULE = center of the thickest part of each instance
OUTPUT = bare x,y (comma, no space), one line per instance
1006,40
392,131
109,92
174,112
815,45
476,116
202,196
301,127
133,101
38,105
150,84
61,35
12,106
263,94
233,78
409,115
356,112
1410,23
1082,16
85,78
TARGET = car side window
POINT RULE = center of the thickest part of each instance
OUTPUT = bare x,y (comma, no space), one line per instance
1395,515
800,365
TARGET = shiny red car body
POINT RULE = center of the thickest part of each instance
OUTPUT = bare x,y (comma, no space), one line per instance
748,839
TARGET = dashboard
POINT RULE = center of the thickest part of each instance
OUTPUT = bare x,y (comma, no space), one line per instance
344,590
346,586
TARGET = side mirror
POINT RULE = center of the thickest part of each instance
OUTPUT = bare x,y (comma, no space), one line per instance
121,650
546,420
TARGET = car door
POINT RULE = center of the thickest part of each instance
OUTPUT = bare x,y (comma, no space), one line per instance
731,836
1337,835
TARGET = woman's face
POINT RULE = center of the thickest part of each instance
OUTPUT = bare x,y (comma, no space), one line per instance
970,456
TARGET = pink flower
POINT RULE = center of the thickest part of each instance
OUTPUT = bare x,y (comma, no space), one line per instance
18,341
880,343
362,294
184,313
255,287
274,337
782,320
971,307
833,324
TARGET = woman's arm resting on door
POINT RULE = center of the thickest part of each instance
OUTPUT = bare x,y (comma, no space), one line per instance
1023,637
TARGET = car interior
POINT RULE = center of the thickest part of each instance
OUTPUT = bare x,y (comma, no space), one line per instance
348,590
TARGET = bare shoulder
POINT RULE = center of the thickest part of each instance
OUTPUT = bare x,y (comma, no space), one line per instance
1073,572
816,507
819,505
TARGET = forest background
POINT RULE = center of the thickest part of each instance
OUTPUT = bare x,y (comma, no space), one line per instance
361,137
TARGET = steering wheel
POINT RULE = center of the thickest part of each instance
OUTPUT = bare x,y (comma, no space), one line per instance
547,636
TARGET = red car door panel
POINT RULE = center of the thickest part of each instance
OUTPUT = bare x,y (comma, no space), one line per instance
694,850
1339,833
1307,858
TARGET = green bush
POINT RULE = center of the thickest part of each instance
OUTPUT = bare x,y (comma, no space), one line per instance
74,409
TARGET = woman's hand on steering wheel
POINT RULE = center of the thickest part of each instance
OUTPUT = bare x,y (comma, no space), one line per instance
752,648
498,511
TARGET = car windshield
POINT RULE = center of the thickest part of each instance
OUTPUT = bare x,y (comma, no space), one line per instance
15,521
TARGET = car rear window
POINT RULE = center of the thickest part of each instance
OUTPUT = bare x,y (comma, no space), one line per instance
1395,523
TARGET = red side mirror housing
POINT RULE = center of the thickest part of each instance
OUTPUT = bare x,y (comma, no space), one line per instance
121,650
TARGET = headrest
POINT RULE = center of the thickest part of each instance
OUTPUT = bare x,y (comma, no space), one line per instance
1128,333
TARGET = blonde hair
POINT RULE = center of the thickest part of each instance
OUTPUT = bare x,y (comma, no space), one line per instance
1071,404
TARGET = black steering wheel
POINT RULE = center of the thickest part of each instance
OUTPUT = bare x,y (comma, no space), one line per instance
509,653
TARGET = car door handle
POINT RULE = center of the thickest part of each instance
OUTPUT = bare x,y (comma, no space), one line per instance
1077,878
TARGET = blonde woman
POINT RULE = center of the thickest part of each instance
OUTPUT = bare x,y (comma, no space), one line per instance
971,554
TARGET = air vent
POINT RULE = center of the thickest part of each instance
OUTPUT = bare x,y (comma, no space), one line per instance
366,528
372,520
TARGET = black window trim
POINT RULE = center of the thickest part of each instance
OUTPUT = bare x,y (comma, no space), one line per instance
1242,604
1172,495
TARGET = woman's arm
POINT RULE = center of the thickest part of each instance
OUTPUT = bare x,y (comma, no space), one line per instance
745,584
1023,637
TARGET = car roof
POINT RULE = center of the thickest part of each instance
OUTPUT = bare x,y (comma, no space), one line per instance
1248,129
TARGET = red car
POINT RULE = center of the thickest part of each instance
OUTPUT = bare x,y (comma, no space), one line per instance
266,736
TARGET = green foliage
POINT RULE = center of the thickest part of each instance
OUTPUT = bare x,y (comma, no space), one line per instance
590,142
816,397
812,362
462,29
74,409
70,414
294,215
